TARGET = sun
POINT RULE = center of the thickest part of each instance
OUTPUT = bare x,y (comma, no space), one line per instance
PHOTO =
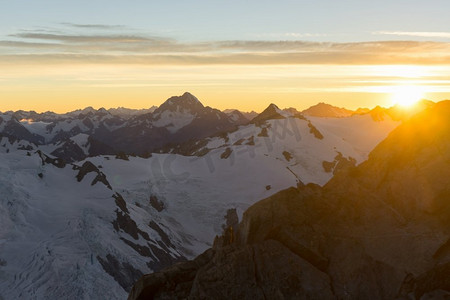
407,95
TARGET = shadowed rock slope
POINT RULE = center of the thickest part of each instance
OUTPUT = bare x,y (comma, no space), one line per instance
377,231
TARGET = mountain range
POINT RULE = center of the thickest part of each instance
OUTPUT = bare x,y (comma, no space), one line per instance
135,132
83,217
179,120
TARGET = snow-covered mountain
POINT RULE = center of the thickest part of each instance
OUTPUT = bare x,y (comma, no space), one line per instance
67,234
303,147
120,130
90,228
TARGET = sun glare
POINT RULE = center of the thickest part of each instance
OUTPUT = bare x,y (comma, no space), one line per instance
407,96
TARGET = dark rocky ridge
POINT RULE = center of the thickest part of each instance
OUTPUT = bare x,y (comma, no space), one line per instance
376,231
87,168
270,113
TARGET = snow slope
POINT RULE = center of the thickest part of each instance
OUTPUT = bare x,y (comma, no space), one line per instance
49,232
174,120
298,144
61,238
56,234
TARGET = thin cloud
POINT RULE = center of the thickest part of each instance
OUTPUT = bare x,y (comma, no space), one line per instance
140,49
43,30
94,26
427,34
291,35
303,35
325,57
88,38
21,44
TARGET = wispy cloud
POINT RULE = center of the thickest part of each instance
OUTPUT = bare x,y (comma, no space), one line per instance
291,35
94,26
88,38
304,35
228,59
26,47
427,34
29,45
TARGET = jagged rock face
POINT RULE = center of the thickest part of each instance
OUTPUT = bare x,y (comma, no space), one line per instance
258,279
377,231
89,167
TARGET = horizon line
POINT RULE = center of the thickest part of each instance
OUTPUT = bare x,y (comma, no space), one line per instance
222,110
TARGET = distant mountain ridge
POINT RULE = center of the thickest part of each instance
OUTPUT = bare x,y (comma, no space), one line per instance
139,132
326,110
248,115
178,120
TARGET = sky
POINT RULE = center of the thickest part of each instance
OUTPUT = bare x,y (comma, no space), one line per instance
64,55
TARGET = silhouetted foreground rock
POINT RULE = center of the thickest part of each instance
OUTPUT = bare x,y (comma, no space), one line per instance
377,231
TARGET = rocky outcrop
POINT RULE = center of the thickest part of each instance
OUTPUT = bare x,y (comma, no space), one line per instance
287,155
122,155
164,237
45,159
314,131
339,163
124,222
120,202
87,168
156,203
226,153
124,273
376,231
263,132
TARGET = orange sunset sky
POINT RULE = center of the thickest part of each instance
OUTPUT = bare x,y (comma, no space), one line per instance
62,57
